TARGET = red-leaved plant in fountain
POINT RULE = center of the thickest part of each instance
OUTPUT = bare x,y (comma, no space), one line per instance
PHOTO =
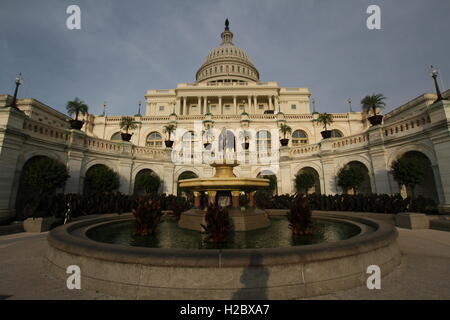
148,215
299,216
218,224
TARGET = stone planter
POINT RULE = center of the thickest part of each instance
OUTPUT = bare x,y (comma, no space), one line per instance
412,221
284,142
38,224
126,136
168,143
326,134
76,124
375,120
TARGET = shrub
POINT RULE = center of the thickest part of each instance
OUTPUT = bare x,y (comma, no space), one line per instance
146,182
148,215
408,172
299,216
100,179
176,204
304,181
350,178
218,224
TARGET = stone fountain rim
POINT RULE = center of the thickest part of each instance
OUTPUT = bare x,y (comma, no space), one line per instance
69,239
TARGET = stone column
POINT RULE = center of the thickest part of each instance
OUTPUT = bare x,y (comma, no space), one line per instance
197,199
270,102
184,106
235,105
220,105
235,198
206,105
199,104
249,104
255,104
178,107
251,199
74,165
379,178
277,103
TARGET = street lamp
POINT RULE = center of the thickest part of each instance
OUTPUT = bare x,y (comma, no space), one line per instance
434,75
139,110
18,81
104,109
349,100
313,101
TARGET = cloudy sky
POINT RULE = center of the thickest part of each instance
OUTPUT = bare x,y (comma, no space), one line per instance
125,48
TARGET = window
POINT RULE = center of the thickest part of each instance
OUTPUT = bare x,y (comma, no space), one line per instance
189,139
161,108
299,137
336,133
154,139
213,106
227,107
261,106
241,107
293,106
194,107
116,136
263,141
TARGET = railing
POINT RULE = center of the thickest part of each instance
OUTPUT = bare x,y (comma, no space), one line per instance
357,139
147,152
304,150
405,127
39,129
95,144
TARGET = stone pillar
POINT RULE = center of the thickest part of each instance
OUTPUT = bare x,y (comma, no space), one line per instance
197,199
277,103
212,197
11,137
329,176
74,165
184,110
199,104
270,102
251,199
168,176
178,107
379,177
235,198
249,105
220,105
255,104
206,105
235,105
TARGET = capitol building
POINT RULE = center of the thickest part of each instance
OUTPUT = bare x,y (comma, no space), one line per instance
228,98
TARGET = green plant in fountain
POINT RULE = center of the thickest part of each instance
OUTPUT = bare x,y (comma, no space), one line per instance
285,129
169,129
148,215
325,119
350,178
128,123
40,179
373,103
408,172
304,181
76,107
218,224
299,216
100,179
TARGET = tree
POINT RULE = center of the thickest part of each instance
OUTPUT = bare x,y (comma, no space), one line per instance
408,172
285,129
128,123
147,181
100,179
304,181
41,177
373,102
350,178
325,119
169,129
76,107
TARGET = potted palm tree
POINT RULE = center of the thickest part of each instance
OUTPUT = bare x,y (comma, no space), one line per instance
284,129
325,119
76,107
127,123
169,129
373,103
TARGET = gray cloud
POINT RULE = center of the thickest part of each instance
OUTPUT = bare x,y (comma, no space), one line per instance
126,48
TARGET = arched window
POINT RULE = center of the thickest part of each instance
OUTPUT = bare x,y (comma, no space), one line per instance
154,140
189,139
336,133
299,137
263,141
116,136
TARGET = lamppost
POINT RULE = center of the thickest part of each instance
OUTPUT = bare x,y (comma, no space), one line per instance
18,81
434,74
139,110
104,109
349,100
314,105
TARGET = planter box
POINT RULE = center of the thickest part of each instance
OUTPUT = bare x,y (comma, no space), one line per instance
412,221
38,224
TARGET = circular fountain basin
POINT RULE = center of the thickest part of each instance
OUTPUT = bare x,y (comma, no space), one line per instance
272,270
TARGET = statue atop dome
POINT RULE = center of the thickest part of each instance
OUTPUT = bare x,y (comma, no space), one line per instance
227,23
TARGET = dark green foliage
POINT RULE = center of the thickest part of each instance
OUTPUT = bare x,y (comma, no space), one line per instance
304,181
299,216
146,182
76,107
40,179
408,172
373,102
272,181
351,178
218,224
148,214
100,179
174,203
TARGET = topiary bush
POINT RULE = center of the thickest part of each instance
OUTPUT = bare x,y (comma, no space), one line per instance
100,179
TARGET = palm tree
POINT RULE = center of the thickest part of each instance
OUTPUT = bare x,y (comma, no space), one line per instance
373,102
128,123
76,107
325,119
284,129
169,129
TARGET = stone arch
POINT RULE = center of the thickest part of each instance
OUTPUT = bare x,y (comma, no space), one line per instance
185,174
90,168
269,174
316,188
93,162
116,136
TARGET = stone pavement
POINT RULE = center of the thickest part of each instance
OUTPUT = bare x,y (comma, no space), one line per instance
423,274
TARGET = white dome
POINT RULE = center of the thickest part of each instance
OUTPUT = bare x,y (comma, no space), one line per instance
227,62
